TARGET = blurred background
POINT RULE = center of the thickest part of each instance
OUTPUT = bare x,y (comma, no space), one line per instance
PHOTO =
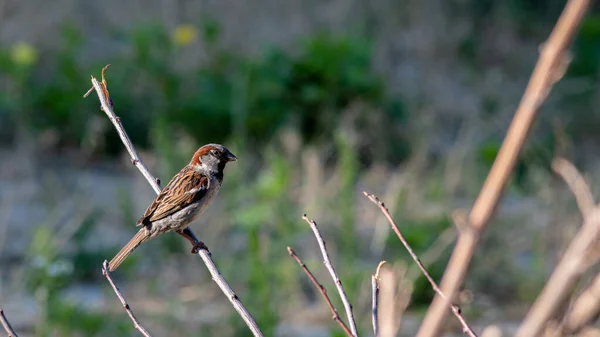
319,100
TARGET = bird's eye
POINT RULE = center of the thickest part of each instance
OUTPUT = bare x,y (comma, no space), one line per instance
213,152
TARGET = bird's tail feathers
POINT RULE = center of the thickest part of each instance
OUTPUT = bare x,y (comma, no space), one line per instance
140,237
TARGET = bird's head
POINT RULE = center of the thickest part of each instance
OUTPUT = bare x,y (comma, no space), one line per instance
212,157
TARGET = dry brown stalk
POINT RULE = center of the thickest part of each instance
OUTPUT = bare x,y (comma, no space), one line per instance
126,306
375,300
585,309
336,279
551,65
455,309
566,273
322,290
580,189
6,325
107,106
395,291
573,262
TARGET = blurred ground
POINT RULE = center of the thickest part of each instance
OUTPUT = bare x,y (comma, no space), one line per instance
320,101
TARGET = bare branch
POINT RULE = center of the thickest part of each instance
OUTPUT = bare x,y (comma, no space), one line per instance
226,289
575,259
551,65
375,300
322,290
576,183
136,323
336,279
566,273
6,325
107,106
585,309
455,309
433,253
395,291
231,296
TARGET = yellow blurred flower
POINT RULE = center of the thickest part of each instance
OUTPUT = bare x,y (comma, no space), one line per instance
185,35
23,54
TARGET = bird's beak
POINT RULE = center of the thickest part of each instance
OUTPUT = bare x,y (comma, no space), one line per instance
231,157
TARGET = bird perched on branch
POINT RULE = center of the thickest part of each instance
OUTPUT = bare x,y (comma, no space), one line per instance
185,197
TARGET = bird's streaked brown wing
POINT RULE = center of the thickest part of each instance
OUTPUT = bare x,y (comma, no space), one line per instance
186,187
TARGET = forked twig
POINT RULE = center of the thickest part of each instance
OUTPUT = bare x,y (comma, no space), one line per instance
573,262
6,325
107,106
336,317
455,309
551,65
136,323
375,300
336,279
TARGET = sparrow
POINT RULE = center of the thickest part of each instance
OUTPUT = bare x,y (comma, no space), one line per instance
185,197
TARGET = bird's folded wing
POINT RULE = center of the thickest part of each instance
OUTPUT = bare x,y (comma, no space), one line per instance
186,187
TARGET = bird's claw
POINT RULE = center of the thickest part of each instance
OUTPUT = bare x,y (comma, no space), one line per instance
198,246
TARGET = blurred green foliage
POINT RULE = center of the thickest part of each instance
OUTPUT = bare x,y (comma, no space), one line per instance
53,267
226,96
587,49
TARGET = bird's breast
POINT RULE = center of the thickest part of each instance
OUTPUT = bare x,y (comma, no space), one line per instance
182,218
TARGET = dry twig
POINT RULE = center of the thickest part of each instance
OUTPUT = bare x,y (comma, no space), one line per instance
573,262
336,279
322,290
395,290
585,309
6,325
375,300
136,323
577,185
107,106
433,253
550,67
455,309
566,273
